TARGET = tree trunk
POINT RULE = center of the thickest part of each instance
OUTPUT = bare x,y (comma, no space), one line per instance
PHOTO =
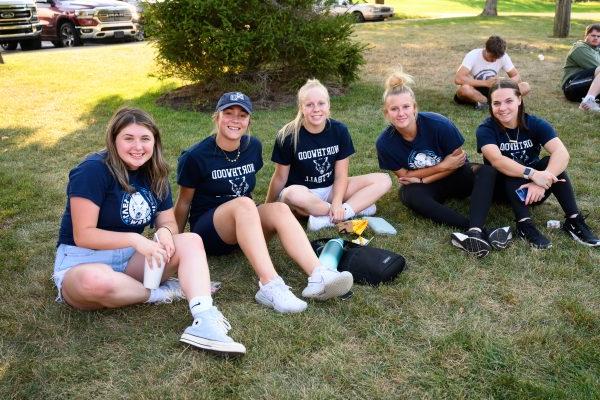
490,9
379,1
1,60
562,18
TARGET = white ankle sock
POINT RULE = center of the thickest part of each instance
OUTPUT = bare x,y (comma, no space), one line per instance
199,304
320,222
348,211
367,212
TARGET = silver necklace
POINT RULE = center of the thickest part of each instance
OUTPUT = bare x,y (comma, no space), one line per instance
512,140
229,159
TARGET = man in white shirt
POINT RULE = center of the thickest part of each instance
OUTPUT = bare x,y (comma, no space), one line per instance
479,71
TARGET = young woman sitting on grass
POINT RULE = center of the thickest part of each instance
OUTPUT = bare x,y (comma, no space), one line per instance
216,178
111,197
311,156
424,150
511,141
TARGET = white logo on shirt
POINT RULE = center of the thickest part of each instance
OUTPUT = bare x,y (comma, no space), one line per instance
135,209
423,159
239,186
322,165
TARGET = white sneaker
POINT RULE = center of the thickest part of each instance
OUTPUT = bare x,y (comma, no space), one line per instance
277,295
316,223
367,212
589,105
169,292
325,284
209,332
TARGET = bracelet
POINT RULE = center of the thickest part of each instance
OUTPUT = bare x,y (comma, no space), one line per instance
166,227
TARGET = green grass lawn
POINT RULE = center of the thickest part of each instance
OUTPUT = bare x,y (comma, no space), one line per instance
446,8
519,324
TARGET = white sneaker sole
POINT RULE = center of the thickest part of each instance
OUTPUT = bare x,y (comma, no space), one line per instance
261,299
474,246
337,287
500,243
576,238
232,348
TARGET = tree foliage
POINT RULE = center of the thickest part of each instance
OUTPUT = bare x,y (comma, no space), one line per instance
269,41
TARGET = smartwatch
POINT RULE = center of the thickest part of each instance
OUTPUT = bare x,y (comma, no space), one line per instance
527,173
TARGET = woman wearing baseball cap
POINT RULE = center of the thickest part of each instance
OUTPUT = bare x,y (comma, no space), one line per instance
216,178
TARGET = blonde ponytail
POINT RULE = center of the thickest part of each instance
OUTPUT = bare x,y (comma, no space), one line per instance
397,83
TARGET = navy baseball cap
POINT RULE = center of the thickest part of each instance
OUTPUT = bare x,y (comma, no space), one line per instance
234,99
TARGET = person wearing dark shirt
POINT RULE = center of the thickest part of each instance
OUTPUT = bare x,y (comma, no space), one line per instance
311,156
112,196
216,178
424,150
511,140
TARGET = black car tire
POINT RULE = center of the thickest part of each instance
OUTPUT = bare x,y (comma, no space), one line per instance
68,36
358,16
31,44
9,45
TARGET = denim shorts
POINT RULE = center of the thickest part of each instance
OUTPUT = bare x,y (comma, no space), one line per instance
68,257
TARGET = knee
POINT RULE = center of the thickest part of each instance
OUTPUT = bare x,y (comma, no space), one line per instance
487,171
188,240
244,204
292,194
95,284
281,210
385,181
464,90
524,88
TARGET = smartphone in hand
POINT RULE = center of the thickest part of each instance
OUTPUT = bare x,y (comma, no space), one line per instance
522,193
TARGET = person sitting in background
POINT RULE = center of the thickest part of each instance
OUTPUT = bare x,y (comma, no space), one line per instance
581,78
479,71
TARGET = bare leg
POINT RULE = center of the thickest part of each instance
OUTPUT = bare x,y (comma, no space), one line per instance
278,218
238,221
365,190
95,286
595,86
469,93
303,201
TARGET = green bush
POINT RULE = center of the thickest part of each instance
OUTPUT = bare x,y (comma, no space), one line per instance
259,42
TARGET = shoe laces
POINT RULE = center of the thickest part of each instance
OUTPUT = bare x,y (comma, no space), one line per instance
215,315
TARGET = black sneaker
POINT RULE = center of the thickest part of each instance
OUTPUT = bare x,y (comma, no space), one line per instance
500,238
479,106
579,231
527,230
472,242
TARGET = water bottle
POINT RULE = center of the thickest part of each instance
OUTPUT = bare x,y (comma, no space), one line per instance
332,254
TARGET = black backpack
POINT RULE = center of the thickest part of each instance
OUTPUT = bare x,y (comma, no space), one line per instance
368,265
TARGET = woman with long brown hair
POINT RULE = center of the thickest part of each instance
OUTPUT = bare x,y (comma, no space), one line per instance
112,196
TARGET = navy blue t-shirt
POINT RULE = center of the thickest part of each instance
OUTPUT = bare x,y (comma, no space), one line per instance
521,145
217,180
312,163
436,137
120,211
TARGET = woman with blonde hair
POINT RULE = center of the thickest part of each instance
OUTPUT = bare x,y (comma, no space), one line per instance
111,197
216,178
311,156
424,150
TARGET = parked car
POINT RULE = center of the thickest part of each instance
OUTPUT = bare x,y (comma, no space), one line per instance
361,10
70,23
19,24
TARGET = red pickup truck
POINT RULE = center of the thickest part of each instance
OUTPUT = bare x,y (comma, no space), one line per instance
69,23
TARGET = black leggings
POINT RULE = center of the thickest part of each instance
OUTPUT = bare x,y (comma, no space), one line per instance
563,191
475,180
